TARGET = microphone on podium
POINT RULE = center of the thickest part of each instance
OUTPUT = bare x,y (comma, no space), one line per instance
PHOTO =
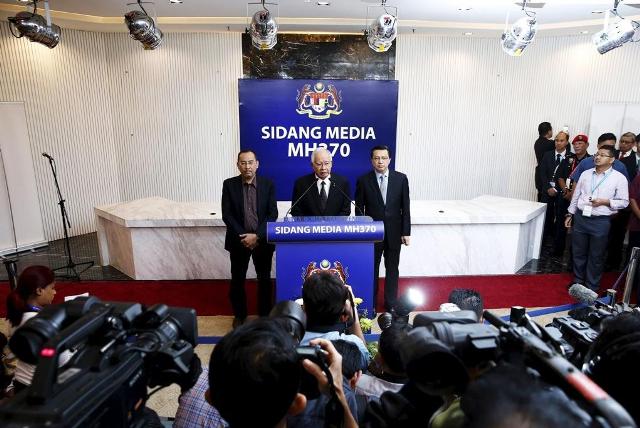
313,183
357,208
48,156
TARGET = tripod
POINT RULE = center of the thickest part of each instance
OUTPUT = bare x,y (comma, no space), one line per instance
69,270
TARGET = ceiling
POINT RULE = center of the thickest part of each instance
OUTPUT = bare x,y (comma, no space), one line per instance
481,17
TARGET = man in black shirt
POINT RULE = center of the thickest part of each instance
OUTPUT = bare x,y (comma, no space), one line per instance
543,144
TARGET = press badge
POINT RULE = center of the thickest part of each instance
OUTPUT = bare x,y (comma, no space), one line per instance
586,211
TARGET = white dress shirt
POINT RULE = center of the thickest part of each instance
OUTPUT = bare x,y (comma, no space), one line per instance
610,185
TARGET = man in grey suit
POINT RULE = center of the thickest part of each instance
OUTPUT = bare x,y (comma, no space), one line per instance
383,195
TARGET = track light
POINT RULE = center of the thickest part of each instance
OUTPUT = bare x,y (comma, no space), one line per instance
142,28
615,33
263,29
35,27
383,31
515,39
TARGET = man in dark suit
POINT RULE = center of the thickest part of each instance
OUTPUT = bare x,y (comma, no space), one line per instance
322,193
543,144
383,195
248,203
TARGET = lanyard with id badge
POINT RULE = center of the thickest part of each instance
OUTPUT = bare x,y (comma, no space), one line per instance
586,211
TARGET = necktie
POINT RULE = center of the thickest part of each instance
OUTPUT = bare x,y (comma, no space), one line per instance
383,189
621,155
557,158
323,196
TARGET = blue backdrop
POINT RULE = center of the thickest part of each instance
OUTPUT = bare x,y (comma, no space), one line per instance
283,121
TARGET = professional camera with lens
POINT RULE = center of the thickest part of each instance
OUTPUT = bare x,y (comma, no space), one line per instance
120,349
444,351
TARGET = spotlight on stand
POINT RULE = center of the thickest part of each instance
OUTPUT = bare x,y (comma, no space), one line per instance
263,28
383,31
142,28
515,39
35,27
616,32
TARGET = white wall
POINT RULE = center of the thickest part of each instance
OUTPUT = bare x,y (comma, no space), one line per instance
468,113
127,123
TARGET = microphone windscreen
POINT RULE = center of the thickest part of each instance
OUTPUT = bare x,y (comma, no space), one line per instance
583,294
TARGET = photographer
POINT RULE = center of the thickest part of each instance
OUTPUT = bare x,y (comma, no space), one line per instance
613,358
255,375
331,315
36,289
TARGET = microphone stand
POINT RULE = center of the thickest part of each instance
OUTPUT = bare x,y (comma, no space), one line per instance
9,263
66,224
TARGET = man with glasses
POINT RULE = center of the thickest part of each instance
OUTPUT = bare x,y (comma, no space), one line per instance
600,193
321,193
248,203
383,195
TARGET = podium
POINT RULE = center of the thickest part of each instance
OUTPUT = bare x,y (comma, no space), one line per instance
326,242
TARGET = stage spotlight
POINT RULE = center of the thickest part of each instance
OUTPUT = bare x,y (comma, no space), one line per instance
382,32
615,33
520,35
142,28
263,29
35,27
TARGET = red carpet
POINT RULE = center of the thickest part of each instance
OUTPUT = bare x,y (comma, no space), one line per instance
210,297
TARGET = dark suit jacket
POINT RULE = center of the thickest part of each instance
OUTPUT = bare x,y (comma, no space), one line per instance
396,215
632,166
233,209
337,202
549,173
541,146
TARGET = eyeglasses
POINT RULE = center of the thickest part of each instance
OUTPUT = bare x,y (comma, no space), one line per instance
600,155
320,164
380,158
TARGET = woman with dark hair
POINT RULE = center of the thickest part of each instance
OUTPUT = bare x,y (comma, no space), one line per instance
36,288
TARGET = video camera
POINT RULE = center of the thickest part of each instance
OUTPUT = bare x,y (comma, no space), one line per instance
120,350
443,349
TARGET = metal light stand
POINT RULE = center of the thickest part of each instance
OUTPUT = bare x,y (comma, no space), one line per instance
70,269
9,263
628,284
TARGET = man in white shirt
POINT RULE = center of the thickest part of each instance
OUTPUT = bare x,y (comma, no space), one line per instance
600,192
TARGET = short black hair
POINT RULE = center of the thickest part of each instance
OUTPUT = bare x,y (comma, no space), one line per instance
508,395
351,357
380,147
608,148
389,346
607,136
467,299
254,374
544,128
324,297
241,152
613,359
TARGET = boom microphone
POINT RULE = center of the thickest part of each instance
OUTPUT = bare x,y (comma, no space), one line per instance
357,208
313,183
583,294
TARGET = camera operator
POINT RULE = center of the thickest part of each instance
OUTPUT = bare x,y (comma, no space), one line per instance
255,375
467,299
386,371
36,289
194,409
510,396
314,413
612,361
331,315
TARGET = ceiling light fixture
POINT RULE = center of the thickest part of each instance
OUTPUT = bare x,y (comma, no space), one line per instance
175,1
468,33
383,30
615,33
143,28
263,28
515,39
323,3
35,27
